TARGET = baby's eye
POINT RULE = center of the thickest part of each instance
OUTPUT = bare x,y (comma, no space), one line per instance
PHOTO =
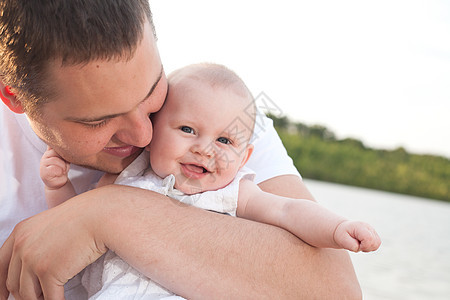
187,129
224,140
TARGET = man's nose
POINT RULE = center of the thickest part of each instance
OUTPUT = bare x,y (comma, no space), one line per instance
137,129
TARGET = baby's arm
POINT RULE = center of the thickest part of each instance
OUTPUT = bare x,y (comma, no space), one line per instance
306,219
54,173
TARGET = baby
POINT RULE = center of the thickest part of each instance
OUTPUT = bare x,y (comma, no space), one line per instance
201,142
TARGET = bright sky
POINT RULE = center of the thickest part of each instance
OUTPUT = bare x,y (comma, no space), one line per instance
378,71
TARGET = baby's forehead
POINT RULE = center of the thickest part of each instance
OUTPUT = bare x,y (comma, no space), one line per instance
222,82
234,94
213,75
241,104
239,129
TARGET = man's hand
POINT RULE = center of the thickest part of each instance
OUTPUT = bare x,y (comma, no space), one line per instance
45,251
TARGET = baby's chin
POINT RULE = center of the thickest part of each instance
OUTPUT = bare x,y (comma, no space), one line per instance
189,189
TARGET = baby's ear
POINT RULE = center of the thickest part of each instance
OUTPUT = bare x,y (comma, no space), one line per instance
248,153
9,98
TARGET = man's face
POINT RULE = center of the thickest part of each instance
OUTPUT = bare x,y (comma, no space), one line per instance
99,114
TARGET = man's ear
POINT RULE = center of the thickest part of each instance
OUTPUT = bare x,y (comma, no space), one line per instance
10,99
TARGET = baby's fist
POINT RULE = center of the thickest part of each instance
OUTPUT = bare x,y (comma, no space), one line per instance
53,169
357,236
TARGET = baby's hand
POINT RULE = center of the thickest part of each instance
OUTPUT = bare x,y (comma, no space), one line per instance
357,236
53,169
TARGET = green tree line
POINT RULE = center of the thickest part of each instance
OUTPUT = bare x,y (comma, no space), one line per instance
319,155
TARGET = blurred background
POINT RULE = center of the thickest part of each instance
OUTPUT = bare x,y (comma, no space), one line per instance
359,93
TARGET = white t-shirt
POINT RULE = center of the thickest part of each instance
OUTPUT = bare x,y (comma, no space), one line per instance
22,191
21,188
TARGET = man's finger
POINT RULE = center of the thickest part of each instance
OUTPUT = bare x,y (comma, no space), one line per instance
13,276
52,290
5,257
29,288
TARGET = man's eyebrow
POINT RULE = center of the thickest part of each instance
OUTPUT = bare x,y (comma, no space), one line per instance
154,84
96,119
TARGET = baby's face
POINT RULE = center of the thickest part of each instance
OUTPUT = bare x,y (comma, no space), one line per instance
201,136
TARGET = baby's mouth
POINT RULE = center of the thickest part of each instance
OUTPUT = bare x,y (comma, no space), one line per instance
196,168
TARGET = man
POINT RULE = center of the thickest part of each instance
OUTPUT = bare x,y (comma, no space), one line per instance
88,75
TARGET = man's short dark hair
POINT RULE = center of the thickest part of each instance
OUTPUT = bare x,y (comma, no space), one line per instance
36,32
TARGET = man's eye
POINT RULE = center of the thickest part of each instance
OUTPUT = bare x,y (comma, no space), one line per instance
95,124
224,140
187,129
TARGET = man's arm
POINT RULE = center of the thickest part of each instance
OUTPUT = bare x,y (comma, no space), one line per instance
195,253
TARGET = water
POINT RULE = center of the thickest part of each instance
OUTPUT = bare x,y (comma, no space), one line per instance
413,261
